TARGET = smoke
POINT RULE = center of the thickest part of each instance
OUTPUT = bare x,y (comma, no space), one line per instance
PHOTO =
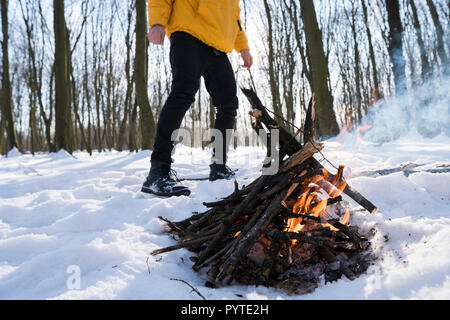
424,109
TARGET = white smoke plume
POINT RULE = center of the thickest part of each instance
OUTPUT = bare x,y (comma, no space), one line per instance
424,109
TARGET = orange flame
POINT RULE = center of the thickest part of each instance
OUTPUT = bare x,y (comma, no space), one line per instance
346,219
310,203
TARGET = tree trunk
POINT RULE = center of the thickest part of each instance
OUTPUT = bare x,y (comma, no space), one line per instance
371,50
87,97
62,85
132,144
439,35
148,127
129,92
273,77
2,124
396,45
7,107
327,124
292,10
425,70
357,63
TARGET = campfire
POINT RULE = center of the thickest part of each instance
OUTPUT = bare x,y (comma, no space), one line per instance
287,230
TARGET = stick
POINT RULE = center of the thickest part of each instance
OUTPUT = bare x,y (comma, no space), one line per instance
289,145
330,257
227,222
246,229
211,277
303,216
334,200
355,195
352,193
314,240
222,202
277,242
250,238
179,229
286,179
308,133
188,222
218,254
346,230
182,245
203,219
301,156
193,289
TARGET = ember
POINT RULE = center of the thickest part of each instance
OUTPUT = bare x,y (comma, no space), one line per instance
286,230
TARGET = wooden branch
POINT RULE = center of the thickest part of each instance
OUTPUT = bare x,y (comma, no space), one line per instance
250,238
277,242
308,132
259,210
184,244
227,222
303,216
334,200
187,283
222,202
346,230
308,150
211,277
202,220
359,198
188,222
317,241
214,257
179,229
285,181
288,144
330,257
349,191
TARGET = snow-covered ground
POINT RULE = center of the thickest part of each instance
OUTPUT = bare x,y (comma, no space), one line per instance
64,216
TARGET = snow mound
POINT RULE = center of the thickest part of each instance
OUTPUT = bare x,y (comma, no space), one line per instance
14,153
61,155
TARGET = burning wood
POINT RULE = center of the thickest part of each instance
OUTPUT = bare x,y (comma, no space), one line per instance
284,230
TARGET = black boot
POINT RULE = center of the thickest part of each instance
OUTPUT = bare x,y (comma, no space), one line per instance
220,172
161,182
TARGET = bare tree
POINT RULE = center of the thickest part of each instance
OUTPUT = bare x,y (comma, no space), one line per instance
439,34
6,92
327,124
63,132
373,62
425,65
148,127
396,45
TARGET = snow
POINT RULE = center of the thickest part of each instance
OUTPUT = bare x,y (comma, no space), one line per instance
60,213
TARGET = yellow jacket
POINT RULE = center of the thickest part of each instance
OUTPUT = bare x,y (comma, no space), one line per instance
215,22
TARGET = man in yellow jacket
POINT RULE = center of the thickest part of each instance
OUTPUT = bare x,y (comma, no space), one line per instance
201,33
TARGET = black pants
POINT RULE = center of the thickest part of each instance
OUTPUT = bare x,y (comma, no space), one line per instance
191,59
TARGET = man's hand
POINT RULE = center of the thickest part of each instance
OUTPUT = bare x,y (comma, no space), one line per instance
157,34
248,59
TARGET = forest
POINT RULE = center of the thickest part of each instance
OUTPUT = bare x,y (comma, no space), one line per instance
81,75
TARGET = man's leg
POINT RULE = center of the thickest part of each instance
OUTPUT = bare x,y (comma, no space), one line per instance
221,85
186,73
186,66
